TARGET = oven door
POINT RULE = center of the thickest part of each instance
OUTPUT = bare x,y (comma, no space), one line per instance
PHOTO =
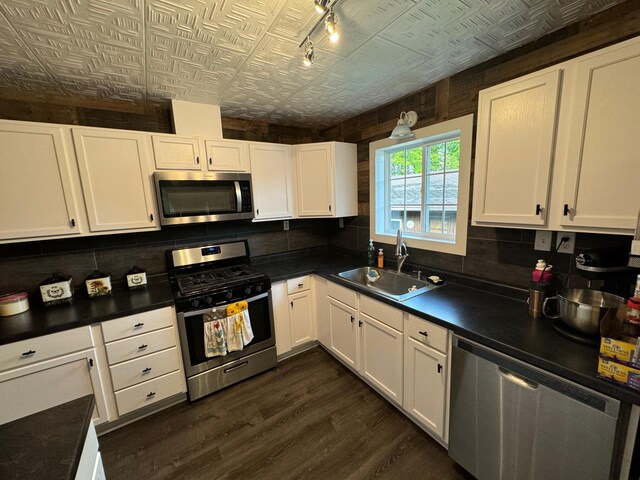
191,328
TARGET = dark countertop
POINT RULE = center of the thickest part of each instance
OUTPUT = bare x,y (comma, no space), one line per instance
496,321
41,320
48,444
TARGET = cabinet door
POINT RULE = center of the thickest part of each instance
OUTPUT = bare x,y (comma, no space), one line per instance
382,357
115,179
343,334
603,164
36,197
425,380
176,153
227,155
272,182
34,388
314,165
516,133
300,319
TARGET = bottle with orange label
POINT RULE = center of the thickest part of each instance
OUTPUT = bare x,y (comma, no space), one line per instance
380,258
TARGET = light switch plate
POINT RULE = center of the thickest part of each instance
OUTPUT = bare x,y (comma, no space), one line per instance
543,240
567,247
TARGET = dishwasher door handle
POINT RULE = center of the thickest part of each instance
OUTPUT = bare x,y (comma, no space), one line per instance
517,379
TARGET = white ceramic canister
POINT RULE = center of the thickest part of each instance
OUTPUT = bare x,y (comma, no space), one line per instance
13,303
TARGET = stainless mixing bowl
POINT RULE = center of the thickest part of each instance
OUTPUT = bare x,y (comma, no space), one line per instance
582,309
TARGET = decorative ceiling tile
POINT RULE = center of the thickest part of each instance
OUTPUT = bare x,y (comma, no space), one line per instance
245,55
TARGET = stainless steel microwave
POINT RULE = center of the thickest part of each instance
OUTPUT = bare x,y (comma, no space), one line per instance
195,197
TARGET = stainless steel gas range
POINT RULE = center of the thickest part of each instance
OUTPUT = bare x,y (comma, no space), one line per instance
214,276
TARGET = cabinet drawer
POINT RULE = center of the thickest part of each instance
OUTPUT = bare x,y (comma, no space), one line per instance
145,368
136,324
298,284
25,352
428,334
140,345
149,392
346,296
382,312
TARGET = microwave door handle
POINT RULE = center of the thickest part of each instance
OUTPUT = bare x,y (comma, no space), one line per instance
238,197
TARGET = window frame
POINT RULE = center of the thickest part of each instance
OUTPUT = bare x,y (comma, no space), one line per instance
461,127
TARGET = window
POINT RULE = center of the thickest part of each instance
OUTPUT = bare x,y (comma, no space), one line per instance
422,187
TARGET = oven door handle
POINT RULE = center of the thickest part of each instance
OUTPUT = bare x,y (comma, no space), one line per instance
193,313
238,197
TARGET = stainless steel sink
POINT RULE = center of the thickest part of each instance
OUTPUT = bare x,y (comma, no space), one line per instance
397,286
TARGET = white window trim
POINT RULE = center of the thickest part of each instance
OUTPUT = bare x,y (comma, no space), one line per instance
464,125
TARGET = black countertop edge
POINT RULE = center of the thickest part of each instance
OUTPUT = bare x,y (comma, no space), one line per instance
41,320
46,444
490,314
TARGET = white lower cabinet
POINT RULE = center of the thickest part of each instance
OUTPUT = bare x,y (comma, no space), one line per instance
401,356
63,376
300,317
293,313
90,465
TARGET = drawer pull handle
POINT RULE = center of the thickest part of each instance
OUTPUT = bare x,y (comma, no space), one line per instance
291,304
359,323
73,222
235,367
146,370
439,368
91,362
210,161
300,285
29,353
151,394
352,319
198,160
538,209
143,346
138,325
423,332
566,210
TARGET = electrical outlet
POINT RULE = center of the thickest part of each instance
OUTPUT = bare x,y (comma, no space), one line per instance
543,240
286,225
566,247
341,223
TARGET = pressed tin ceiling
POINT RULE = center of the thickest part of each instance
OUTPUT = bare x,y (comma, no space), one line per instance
244,54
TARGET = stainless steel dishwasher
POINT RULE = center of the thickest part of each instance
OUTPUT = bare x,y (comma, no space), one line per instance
509,420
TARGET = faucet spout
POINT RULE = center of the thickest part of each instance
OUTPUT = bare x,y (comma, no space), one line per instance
401,250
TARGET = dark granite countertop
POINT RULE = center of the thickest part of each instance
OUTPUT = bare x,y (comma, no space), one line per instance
496,321
41,320
48,444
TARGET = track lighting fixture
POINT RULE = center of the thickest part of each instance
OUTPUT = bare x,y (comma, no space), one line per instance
324,7
321,6
331,26
308,53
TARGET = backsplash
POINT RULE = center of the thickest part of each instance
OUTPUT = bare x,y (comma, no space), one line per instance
23,266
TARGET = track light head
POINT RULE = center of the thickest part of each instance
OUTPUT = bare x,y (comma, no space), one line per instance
331,26
321,6
308,53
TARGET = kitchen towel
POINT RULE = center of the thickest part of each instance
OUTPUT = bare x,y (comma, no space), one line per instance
240,310
214,338
233,332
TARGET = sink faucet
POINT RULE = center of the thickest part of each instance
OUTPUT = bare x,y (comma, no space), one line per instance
400,246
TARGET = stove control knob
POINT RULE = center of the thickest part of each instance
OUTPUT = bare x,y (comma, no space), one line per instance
229,294
247,290
259,288
208,300
195,303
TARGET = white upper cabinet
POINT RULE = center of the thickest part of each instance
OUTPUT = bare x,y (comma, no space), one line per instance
176,153
514,152
272,182
227,155
326,179
600,188
582,169
36,195
114,171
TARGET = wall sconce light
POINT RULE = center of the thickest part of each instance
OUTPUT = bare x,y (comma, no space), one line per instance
308,53
331,26
403,128
321,6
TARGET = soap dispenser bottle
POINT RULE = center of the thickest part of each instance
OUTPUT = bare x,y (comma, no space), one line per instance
371,254
380,258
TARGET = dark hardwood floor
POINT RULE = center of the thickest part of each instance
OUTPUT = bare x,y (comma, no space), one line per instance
308,418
